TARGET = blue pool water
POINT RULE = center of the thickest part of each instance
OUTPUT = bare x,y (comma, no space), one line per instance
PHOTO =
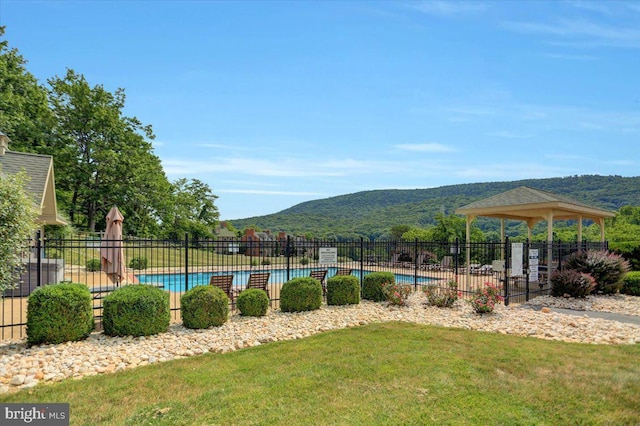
176,282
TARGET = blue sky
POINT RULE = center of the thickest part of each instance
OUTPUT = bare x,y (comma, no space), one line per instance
276,103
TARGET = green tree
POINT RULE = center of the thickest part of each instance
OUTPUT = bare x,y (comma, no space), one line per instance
398,230
192,210
24,113
452,227
103,158
420,234
18,215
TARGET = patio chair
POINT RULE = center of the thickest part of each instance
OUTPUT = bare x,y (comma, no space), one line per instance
224,282
343,271
320,275
445,264
259,280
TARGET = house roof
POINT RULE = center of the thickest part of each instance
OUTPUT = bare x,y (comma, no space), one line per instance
41,185
532,205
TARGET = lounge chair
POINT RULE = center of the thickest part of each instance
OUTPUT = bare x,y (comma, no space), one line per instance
444,265
224,282
320,275
259,280
343,271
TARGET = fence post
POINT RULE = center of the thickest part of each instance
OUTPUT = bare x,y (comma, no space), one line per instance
361,258
507,254
560,254
186,261
457,257
415,264
38,259
526,256
287,252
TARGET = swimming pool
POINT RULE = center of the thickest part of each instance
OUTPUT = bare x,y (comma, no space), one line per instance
176,282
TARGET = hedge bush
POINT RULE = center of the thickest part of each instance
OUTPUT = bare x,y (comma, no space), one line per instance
59,313
571,282
631,284
343,290
301,294
93,265
253,302
204,306
608,269
373,283
136,310
139,263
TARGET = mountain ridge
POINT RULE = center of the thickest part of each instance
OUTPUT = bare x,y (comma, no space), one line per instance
372,213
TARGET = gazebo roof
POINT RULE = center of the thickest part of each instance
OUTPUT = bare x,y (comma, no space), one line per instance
532,205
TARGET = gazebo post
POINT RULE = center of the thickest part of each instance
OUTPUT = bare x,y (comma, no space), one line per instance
580,229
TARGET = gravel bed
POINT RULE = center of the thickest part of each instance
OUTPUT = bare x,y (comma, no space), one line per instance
22,367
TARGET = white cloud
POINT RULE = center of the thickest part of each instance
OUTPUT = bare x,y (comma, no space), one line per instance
267,192
218,146
425,147
571,57
285,167
449,8
566,157
580,33
592,6
512,171
624,163
508,135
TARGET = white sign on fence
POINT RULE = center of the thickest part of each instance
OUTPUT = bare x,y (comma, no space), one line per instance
516,259
328,255
533,265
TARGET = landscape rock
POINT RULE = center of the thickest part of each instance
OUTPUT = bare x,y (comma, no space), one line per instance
22,366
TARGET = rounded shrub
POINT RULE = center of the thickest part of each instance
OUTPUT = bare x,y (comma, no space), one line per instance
59,313
373,285
301,294
608,269
138,263
343,290
571,282
204,306
253,302
631,284
93,265
304,260
136,310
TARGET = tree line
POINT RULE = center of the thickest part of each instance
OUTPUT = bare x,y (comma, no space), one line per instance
101,156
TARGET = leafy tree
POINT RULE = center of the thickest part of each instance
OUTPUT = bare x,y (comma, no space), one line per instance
192,211
18,215
448,228
398,230
103,158
25,115
420,234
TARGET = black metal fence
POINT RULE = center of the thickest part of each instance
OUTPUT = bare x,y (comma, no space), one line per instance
520,269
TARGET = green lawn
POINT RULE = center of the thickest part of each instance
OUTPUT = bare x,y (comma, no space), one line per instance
391,373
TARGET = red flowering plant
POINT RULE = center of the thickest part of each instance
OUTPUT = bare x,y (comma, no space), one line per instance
485,299
397,294
443,297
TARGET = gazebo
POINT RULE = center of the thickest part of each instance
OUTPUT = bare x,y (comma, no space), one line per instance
532,206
